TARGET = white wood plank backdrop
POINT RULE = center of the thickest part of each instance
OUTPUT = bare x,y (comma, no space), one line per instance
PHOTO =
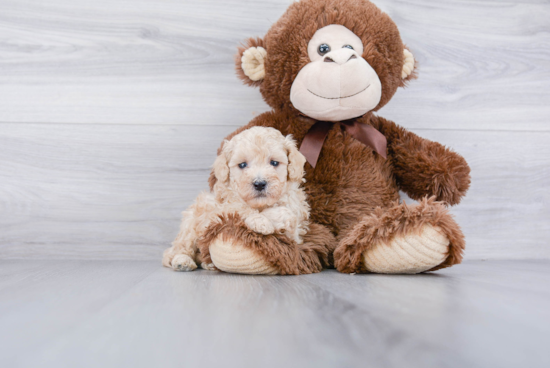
111,111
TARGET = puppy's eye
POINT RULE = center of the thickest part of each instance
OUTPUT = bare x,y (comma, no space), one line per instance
242,165
348,47
274,163
323,49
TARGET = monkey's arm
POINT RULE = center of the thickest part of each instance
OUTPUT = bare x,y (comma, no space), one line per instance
424,168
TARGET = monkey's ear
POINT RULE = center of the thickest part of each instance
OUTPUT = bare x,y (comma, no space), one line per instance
408,71
250,62
296,160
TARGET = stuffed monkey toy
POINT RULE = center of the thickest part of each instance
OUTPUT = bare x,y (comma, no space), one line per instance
325,67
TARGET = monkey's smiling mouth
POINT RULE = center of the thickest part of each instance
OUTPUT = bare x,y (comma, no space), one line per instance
338,98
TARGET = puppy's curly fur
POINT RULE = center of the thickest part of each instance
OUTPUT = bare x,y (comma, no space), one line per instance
259,174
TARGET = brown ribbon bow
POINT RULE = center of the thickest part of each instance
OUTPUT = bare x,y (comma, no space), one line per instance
368,135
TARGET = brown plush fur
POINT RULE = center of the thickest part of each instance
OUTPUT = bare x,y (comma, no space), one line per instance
281,252
353,191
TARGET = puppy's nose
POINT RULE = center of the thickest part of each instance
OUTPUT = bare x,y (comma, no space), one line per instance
260,185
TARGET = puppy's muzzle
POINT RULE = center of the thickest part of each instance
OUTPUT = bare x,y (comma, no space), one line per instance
260,185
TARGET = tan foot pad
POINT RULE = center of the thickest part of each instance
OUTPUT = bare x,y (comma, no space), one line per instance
410,253
233,257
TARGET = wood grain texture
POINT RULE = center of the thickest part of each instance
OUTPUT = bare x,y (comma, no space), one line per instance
482,65
111,112
137,314
116,191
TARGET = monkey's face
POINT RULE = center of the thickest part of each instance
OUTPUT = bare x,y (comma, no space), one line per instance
337,84
328,59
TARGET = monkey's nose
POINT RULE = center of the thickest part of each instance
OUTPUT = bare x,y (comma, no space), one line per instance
340,57
260,185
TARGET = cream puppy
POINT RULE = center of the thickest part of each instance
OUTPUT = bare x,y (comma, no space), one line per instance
259,174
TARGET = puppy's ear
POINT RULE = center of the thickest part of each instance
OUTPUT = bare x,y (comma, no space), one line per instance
221,170
296,160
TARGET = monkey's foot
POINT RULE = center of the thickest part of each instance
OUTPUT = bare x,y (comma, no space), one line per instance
232,256
232,247
411,253
402,239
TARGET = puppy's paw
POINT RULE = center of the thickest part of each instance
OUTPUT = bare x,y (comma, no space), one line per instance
281,218
208,266
182,262
259,224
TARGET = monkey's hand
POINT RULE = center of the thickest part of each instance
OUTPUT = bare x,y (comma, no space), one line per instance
424,168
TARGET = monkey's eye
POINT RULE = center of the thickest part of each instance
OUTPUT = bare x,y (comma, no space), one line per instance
274,163
242,165
348,46
323,49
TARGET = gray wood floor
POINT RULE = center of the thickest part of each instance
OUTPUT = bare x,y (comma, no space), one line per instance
137,314
110,114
